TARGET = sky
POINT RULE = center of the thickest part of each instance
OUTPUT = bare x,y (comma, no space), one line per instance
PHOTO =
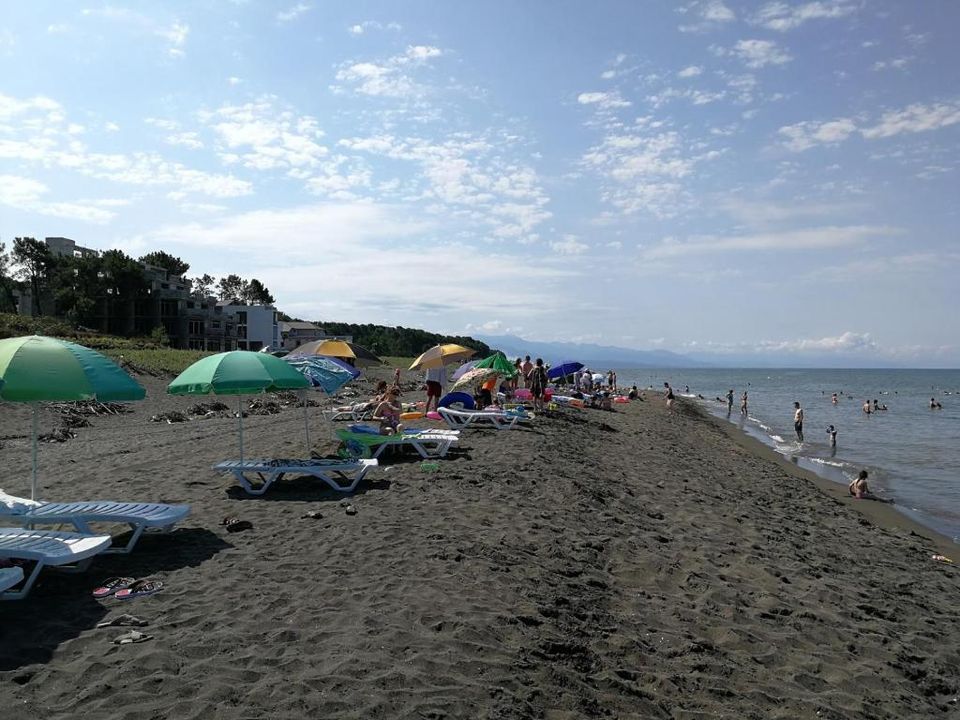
714,177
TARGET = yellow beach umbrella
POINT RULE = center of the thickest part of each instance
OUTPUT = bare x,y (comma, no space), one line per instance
440,355
354,354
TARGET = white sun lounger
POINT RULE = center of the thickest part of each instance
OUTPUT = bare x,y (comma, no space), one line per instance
355,412
66,550
341,475
10,577
464,419
154,517
428,443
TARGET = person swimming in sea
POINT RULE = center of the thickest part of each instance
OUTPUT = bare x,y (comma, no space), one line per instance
859,489
834,399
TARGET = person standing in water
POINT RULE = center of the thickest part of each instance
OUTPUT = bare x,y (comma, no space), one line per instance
832,435
798,420
729,401
743,403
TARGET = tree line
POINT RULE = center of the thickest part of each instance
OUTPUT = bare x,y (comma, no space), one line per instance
78,288
399,341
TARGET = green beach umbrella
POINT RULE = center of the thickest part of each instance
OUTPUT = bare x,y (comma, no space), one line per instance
239,372
498,361
37,369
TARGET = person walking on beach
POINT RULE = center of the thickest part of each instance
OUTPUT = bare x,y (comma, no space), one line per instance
525,369
669,395
798,420
743,403
436,379
538,384
729,401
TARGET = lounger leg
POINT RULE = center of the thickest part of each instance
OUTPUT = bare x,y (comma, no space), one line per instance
25,588
125,550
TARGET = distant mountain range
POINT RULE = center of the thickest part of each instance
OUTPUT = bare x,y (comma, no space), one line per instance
597,357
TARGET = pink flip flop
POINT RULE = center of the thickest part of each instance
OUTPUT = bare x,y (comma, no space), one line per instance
139,589
112,585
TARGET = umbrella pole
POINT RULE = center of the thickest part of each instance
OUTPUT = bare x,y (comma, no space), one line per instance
306,420
240,424
33,485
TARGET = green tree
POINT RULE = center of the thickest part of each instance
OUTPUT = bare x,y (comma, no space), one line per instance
8,303
232,287
78,285
34,263
173,265
202,286
123,276
257,294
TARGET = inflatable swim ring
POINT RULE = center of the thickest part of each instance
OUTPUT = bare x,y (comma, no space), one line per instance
457,398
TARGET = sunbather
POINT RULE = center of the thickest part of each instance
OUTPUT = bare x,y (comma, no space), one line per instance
388,412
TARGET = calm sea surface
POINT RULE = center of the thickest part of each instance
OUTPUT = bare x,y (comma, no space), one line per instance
911,451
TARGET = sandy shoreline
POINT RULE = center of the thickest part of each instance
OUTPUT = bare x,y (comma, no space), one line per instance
627,564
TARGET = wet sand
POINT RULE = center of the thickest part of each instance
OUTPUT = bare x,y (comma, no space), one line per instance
628,564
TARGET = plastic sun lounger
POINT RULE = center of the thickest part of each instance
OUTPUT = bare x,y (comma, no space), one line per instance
462,419
153,517
10,577
66,550
427,443
341,475
355,412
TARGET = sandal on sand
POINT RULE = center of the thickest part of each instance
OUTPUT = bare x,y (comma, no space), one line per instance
140,588
112,585
122,620
134,636
233,524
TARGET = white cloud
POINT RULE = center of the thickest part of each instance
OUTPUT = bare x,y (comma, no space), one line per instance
176,35
343,238
805,135
26,194
389,78
697,97
234,81
782,17
263,135
807,239
186,139
760,53
604,100
570,245
707,15
361,28
292,13
691,71
914,118
847,342
898,63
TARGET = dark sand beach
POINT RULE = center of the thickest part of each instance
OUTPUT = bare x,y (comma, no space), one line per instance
628,564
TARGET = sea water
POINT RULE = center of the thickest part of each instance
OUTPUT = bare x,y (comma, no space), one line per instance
911,452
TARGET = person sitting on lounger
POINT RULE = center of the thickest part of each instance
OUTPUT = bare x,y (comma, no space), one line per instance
388,413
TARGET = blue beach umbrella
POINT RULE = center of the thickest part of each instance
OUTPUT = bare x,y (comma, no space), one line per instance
562,369
326,373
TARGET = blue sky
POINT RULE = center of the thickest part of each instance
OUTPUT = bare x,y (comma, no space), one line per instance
710,177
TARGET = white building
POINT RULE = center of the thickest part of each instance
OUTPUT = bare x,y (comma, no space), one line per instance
257,326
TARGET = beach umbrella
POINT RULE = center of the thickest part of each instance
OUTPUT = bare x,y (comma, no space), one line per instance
498,361
467,366
473,377
440,355
37,369
239,372
354,354
562,369
326,373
